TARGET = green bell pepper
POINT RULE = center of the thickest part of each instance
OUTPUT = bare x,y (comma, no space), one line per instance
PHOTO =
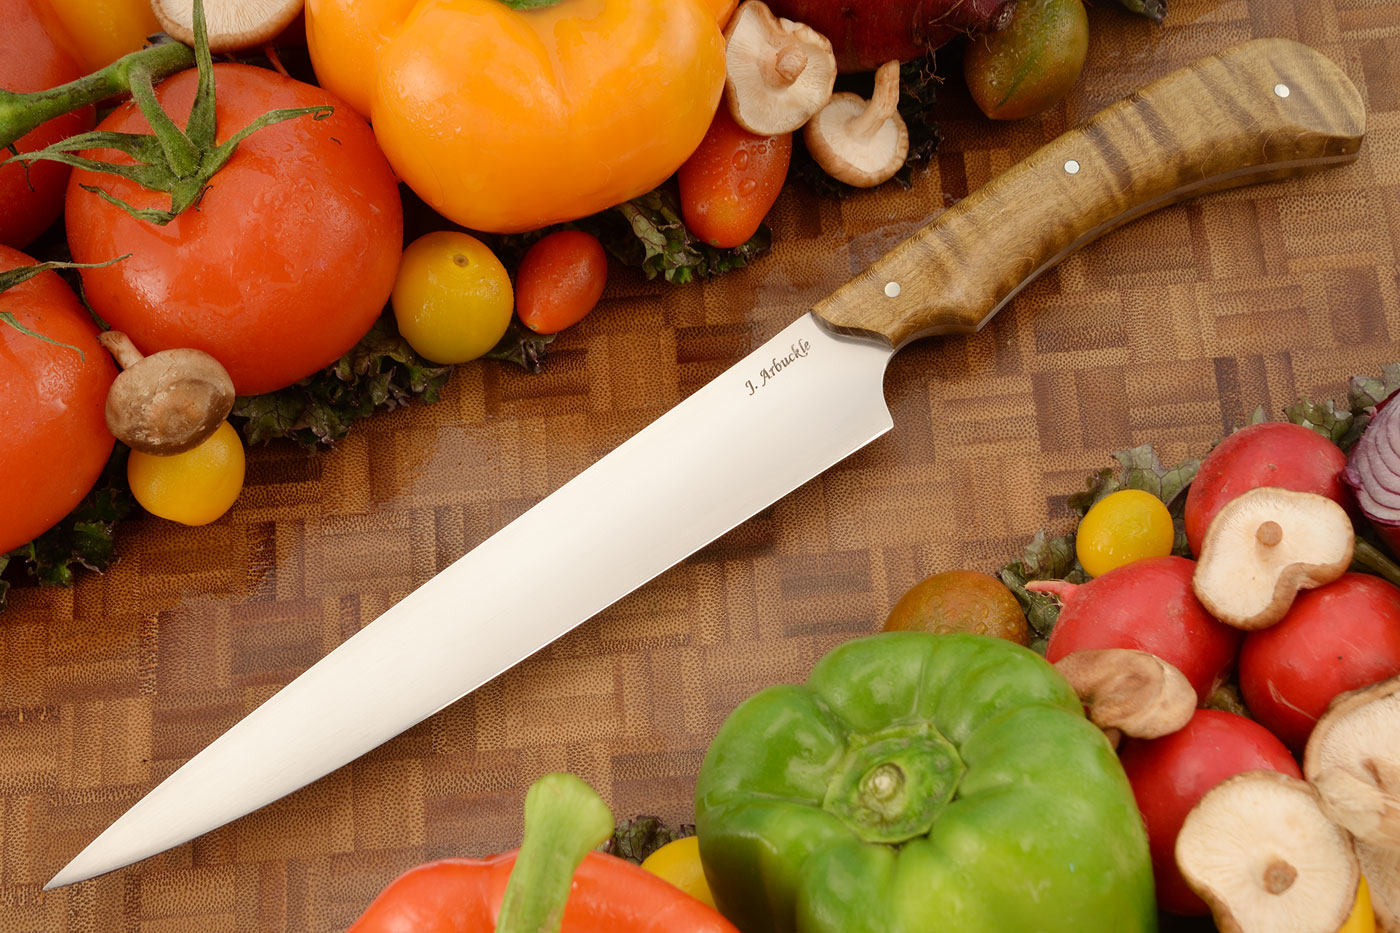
922,783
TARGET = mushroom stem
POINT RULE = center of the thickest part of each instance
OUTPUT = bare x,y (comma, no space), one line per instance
884,102
1279,876
121,347
785,67
1269,534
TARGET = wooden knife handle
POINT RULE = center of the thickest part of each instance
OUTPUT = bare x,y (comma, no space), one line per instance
1263,110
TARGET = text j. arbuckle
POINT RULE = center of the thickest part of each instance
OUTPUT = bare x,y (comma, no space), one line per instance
770,372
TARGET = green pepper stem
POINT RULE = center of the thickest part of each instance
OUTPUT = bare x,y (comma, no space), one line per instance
565,819
20,113
1371,559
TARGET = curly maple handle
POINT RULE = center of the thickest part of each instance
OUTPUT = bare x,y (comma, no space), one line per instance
1263,110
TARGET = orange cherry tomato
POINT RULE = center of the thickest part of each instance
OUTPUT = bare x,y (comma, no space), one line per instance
559,281
731,181
55,440
31,60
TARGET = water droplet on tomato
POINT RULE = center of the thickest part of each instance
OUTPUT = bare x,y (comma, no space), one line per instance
747,186
741,160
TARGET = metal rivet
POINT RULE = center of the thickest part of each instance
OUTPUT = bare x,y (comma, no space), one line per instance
1072,167
1281,90
892,289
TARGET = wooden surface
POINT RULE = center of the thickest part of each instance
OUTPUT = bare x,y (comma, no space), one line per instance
1170,330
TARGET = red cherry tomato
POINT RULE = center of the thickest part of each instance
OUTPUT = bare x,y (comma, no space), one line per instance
284,264
1335,638
731,181
55,439
560,279
1169,775
31,61
1272,453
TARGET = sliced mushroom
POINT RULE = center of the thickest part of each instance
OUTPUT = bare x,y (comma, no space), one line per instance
1130,692
861,143
1265,546
231,24
168,402
778,73
1259,850
1353,760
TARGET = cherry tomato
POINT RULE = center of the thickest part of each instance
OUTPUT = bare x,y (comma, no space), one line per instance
1362,918
560,279
54,442
1336,638
284,264
1169,775
731,181
1122,527
452,298
194,487
678,862
31,61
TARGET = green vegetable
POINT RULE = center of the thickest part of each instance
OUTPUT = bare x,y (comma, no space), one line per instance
634,840
922,782
381,372
1155,10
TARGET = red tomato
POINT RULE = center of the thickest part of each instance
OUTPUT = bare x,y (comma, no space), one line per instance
1335,638
30,61
55,439
286,262
1169,775
1148,605
731,181
560,279
1272,453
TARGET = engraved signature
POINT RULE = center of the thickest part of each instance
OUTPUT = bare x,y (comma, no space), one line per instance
768,373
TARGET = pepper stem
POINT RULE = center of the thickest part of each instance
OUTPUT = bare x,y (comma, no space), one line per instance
1370,559
565,819
20,113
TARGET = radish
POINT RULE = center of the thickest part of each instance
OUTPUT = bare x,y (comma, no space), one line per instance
1147,605
1271,453
867,33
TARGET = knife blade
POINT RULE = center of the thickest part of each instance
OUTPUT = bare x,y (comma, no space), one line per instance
807,398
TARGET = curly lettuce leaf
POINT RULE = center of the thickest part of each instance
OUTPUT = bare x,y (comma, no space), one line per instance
86,537
1045,558
380,373
636,839
1155,10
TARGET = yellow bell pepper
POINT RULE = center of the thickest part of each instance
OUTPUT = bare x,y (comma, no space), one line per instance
506,120
98,32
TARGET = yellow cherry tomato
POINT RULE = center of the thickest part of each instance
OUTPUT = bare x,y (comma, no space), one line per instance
452,299
1122,527
192,488
1363,918
679,863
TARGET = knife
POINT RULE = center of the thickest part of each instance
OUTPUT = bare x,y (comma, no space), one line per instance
810,396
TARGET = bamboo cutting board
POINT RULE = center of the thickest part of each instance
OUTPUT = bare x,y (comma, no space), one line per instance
1168,331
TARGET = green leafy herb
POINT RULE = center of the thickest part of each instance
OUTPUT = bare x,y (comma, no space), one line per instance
1045,558
635,839
661,244
1155,10
85,537
381,372
918,91
521,346
1342,422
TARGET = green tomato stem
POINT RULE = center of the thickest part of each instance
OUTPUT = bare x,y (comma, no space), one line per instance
565,819
20,113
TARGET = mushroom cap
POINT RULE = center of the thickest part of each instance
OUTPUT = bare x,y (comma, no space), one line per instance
1260,851
231,24
1265,546
1132,691
169,402
778,73
861,143
1353,759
